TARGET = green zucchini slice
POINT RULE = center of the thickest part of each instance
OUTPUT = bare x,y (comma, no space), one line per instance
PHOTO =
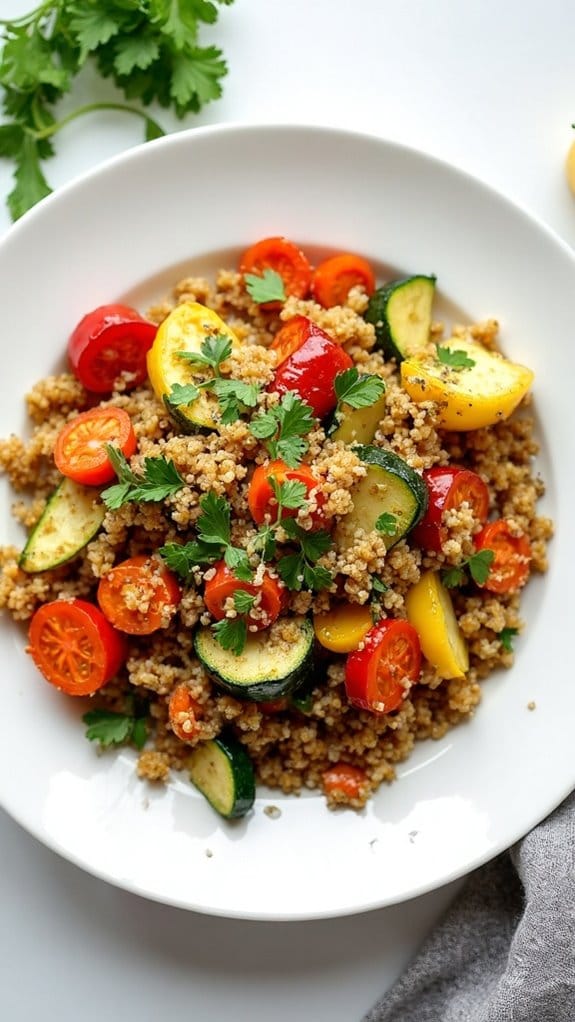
274,662
358,425
71,518
401,314
223,772
390,487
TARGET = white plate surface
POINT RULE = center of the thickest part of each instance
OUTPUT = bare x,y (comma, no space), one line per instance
128,230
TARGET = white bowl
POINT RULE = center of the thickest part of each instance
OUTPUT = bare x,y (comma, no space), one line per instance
128,230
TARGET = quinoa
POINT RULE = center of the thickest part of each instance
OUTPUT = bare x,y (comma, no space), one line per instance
291,748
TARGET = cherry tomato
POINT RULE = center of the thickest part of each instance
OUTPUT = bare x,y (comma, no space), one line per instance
510,567
274,705
184,713
334,278
285,258
449,487
344,779
291,336
378,676
75,647
80,449
139,595
311,371
261,499
222,586
109,341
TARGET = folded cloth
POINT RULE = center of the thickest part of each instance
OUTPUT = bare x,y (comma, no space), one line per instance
505,950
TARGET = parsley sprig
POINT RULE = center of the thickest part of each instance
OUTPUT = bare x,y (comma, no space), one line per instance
506,637
148,48
283,428
234,396
478,566
265,287
110,728
213,543
159,480
454,358
358,390
386,524
300,568
289,495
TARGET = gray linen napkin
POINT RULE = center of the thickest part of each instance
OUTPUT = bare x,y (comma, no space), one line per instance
505,950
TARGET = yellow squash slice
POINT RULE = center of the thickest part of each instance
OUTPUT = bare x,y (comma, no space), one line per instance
185,330
430,611
470,397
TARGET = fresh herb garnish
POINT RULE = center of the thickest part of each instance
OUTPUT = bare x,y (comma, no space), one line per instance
109,728
386,524
300,568
454,358
234,396
357,390
159,480
148,48
283,428
182,558
506,637
231,633
214,350
377,585
243,602
265,287
478,565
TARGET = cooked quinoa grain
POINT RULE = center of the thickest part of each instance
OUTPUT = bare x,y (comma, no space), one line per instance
290,746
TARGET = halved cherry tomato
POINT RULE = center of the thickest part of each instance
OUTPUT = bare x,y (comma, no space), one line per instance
334,278
510,566
109,341
378,676
261,499
344,779
291,336
80,449
183,713
274,705
75,647
270,594
311,371
285,258
449,487
139,595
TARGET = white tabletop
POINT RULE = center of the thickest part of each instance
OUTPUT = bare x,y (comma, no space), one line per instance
489,87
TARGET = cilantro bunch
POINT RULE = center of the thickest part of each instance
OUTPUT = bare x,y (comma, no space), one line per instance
148,48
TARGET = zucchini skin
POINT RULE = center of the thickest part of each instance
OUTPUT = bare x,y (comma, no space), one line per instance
380,315
261,689
240,775
71,518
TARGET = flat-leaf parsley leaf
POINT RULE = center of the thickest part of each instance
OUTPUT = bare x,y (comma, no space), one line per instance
454,358
265,287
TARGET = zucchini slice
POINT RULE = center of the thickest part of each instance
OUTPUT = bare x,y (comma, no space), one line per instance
390,486
401,314
71,518
274,662
359,425
185,330
223,772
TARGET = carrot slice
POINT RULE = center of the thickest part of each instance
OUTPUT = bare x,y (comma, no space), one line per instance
334,278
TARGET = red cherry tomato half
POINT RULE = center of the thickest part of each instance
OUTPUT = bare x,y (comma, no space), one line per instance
261,499
284,257
139,595
449,487
80,449
378,676
107,342
75,647
222,586
311,371
511,564
334,278
344,780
